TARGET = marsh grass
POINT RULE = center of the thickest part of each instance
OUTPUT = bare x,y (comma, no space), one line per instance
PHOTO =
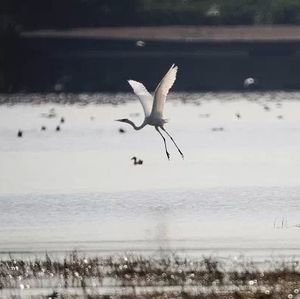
132,276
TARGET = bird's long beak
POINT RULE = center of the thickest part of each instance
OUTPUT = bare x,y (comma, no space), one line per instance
118,119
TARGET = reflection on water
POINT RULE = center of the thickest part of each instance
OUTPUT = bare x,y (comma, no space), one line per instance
77,188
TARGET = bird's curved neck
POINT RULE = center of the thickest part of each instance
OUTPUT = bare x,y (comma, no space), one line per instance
135,126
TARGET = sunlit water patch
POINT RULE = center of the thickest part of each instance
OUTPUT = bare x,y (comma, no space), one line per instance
236,189
213,219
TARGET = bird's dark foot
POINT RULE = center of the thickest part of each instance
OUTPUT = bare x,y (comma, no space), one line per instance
168,155
180,152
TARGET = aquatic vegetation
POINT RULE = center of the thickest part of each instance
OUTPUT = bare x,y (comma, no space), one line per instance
79,276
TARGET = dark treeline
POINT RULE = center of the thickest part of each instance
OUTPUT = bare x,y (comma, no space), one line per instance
22,61
99,65
37,14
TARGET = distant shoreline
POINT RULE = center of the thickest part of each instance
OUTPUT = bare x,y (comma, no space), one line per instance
176,33
101,59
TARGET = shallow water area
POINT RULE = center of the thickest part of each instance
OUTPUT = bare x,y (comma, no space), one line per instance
237,190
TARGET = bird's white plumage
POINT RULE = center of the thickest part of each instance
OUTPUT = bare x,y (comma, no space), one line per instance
144,96
161,92
153,108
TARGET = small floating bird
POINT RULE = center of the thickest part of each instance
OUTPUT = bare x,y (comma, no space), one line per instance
204,115
238,115
140,43
249,82
153,108
62,120
43,128
137,161
57,128
217,129
20,133
50,114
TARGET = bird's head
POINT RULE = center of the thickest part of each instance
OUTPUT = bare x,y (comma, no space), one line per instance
133,158
124,120
128,121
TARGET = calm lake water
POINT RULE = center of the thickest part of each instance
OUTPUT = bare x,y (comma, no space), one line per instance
237,190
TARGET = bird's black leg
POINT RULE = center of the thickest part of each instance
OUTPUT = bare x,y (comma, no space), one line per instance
168,155
173,142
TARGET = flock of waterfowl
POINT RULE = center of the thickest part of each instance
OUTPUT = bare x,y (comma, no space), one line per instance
248,83
137,161
50,114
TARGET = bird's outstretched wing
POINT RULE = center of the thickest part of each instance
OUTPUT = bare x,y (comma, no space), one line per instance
144,96
162,90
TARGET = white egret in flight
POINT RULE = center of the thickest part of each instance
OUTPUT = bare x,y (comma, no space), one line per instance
154,107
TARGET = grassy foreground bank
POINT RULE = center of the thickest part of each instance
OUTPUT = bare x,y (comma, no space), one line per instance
132,276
